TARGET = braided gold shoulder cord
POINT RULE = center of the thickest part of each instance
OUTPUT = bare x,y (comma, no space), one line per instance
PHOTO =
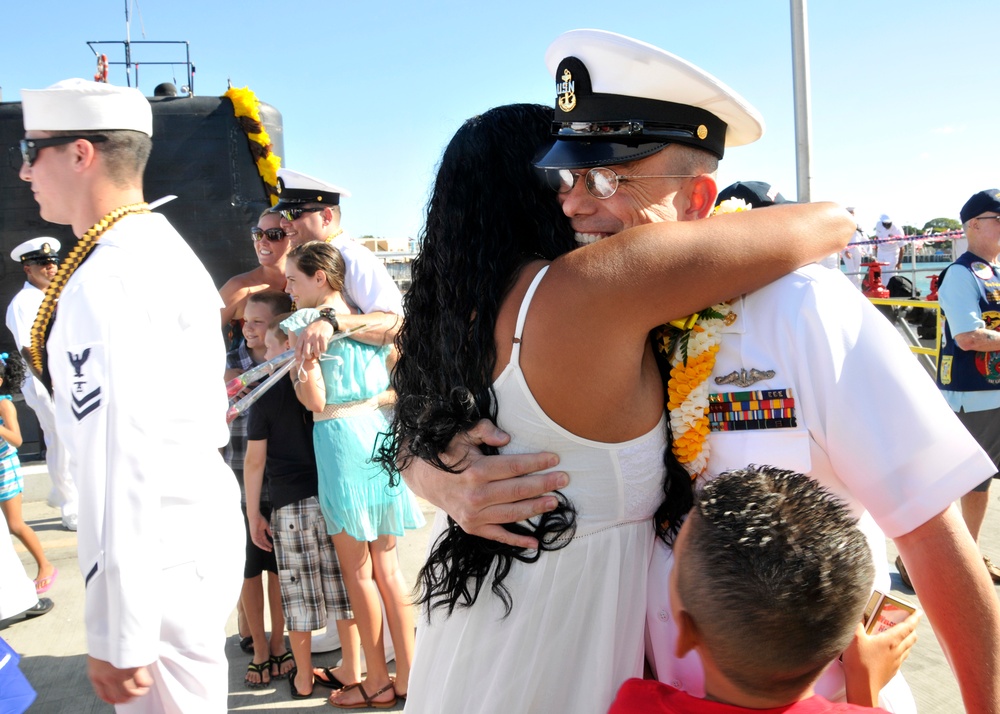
76,256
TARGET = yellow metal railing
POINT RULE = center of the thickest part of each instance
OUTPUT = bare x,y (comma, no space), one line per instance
912,339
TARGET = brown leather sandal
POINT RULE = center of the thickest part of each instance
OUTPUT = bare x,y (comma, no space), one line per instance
368,701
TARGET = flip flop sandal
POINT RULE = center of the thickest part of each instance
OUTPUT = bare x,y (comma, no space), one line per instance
42,585
328,679
260,669
291,685
368,702
277,661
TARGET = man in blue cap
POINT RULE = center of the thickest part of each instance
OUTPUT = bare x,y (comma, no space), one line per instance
969,370
638,135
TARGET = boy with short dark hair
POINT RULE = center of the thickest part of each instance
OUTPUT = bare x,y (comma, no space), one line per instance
270,657
770,580
279,437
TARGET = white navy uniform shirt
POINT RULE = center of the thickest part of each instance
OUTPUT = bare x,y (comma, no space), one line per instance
20,317
841,360
137,361
367,283
887,249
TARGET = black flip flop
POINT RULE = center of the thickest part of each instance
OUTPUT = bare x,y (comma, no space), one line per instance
277,661
328,680
259,668
291,685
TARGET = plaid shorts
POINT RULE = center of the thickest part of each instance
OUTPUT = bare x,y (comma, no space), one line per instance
308,569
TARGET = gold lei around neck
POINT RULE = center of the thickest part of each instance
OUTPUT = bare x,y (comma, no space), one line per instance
40,328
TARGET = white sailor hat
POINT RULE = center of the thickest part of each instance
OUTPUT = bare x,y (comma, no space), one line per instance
296,188
619,99
884,218
82,105
37,251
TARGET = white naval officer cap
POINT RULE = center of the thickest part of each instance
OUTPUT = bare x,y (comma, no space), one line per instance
295,188
83,105
37,251
619,99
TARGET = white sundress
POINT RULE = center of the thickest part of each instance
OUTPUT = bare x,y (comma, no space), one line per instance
576,630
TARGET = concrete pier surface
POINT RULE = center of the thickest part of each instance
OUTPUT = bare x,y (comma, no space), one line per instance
53,647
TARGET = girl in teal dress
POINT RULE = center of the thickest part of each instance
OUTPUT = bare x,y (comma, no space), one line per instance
344,389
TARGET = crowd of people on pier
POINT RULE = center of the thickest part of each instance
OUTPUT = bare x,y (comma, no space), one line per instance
636,402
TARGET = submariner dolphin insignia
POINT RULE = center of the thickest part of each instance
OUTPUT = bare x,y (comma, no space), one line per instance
744,378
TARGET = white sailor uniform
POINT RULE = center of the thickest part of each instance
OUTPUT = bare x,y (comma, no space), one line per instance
887,250
20,317
160,530
367,283
857,252
839,360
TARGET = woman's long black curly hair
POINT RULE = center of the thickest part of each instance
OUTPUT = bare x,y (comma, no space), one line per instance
489,215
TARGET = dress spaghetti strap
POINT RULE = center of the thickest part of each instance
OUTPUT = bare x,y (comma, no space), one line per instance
522,314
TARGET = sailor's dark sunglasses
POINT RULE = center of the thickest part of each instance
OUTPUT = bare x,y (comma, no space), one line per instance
294,214
31,147
272,234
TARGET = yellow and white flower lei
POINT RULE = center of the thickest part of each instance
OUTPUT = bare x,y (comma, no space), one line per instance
691,345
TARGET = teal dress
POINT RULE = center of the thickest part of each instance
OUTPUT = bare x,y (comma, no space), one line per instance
354,493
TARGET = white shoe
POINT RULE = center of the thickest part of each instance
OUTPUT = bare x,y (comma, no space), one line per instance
325,642
69,522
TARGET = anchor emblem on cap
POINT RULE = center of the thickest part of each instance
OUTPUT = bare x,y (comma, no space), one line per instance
566,91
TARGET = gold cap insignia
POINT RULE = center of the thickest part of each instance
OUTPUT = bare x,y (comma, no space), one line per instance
566,91
46,248
702,131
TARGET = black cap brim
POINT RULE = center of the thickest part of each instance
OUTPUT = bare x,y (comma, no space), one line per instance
577,154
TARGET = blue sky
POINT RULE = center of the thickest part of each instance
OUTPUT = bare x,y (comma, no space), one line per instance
904,105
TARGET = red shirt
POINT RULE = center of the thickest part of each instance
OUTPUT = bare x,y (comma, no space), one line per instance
651,697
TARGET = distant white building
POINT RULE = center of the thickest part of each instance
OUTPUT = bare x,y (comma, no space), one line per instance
388,245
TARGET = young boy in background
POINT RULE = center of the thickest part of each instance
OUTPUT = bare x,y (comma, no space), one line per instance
770,581
270,657
279,438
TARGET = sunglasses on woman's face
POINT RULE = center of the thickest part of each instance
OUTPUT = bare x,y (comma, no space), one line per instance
272,234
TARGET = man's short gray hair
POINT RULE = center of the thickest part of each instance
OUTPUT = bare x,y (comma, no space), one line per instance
689,160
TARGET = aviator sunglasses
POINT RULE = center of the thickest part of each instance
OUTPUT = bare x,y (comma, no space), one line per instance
294,214
601,182
31,147
272,234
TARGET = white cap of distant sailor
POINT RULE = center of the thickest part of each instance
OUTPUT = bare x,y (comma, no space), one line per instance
619,99
37,251
885,219
82,105
296,188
